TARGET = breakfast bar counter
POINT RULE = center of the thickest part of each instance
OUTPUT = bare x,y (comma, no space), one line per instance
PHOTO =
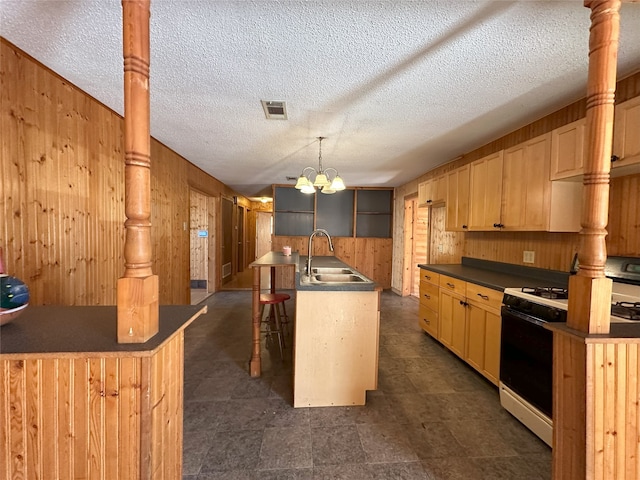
77,404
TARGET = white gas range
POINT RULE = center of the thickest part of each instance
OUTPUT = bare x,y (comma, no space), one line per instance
526,353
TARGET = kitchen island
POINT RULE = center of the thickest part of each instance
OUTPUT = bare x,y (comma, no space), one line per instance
336,333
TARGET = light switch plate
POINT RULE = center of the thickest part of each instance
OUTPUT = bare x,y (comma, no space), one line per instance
528,256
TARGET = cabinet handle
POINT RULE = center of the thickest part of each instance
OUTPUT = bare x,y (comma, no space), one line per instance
464,227
427,277
426,321
464,304
450,285
427,296
614,158
484,297
498,225
429,201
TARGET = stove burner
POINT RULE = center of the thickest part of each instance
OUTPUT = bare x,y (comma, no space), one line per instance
547,292
628,310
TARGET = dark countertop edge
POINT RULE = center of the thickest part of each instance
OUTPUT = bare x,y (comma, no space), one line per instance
618,333
68,331
331,261
498,275
276,259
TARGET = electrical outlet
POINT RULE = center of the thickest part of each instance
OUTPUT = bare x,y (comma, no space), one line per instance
528,256
440,248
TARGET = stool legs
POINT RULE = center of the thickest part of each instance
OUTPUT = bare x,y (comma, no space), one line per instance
273,319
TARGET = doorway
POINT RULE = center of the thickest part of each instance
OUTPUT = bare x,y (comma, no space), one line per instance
240,238
416,244
227,240
201,246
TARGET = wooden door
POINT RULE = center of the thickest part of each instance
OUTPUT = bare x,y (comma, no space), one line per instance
227,239
198,240
240,238
485,192
264,230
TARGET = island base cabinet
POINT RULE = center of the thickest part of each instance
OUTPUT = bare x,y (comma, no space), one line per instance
335,347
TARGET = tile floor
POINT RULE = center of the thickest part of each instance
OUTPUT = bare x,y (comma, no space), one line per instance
432,417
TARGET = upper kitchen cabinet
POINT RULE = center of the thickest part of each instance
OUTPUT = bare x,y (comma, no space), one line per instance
485,192
334,213
374,213
433,191
626,137
525,185
532,202
293,212
567,150
458,200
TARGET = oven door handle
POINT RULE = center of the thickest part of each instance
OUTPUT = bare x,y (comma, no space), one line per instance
522,316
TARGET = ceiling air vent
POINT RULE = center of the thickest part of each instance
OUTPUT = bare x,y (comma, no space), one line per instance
274,110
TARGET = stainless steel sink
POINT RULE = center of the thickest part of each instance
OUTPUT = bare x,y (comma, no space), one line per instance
331,270
337,278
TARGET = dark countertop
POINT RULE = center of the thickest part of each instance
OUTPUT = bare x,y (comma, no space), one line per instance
87,329
329,261
625,332
498,276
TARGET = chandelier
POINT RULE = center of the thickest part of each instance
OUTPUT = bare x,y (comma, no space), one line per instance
320,177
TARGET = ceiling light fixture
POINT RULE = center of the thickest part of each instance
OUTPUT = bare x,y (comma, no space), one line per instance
320,177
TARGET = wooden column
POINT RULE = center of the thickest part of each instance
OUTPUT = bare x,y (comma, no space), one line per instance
137,290
580,392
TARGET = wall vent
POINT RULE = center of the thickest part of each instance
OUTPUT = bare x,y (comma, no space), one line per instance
226,270
274,110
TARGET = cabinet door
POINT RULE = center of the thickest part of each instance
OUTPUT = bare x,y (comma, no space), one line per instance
485,192
626,140
567,150
445,316
526,185
459,326
493,325
452,321
425,192
475,337
439,192
458,200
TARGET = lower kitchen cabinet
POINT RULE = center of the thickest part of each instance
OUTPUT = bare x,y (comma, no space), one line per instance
452,316
483,341
429,302
467,320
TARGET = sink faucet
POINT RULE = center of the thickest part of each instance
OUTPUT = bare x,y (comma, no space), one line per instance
318,231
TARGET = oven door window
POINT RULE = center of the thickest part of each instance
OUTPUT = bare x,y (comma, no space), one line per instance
526,359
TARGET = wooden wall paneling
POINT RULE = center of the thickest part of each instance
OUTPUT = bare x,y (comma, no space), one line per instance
82,416
624,217
373,259
61,180
444,246
552,250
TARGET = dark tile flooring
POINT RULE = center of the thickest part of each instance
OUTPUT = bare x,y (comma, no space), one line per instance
432,417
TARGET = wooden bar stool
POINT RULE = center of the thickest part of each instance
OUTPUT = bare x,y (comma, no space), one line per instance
274,318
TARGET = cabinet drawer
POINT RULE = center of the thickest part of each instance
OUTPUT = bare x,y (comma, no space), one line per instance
429,294
429,276
453,284
483,296
428,320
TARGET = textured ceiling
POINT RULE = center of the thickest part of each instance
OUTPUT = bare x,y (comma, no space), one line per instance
397,87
